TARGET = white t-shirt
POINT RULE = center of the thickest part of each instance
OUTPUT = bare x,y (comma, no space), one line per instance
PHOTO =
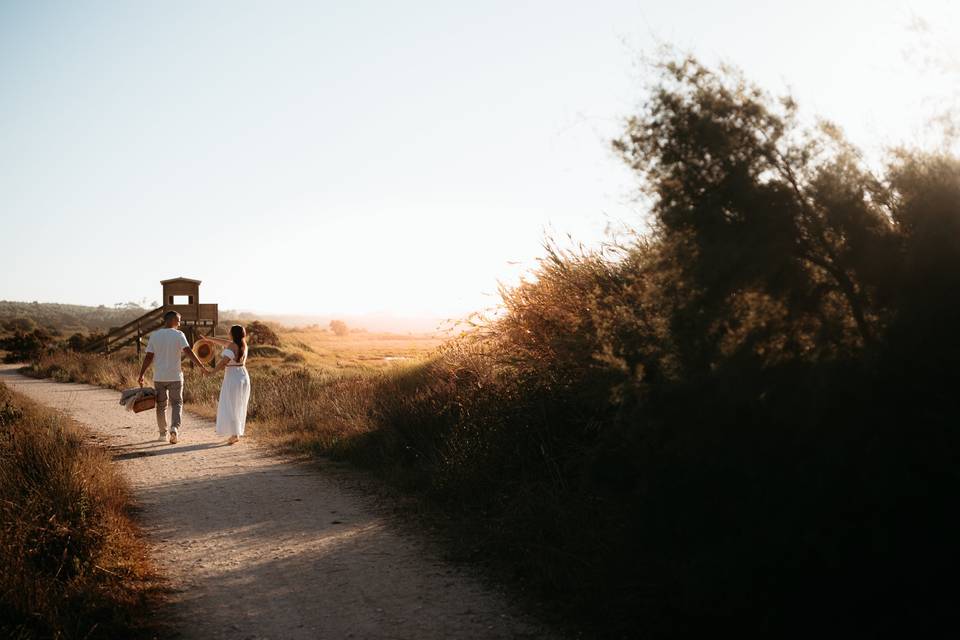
167,345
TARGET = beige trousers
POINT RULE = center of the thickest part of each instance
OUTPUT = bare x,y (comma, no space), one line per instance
175,389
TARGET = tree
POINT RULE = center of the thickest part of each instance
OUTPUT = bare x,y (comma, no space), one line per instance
23,347
262,333
80,342
745,201
925,206
77,342
339,327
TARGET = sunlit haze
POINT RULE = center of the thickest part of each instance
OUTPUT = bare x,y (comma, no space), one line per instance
366,157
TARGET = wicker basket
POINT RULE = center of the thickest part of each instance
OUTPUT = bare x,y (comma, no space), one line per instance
143,404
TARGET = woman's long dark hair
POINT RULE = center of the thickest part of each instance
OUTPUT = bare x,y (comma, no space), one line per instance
239,335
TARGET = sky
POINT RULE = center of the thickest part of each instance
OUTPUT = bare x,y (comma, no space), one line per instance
370,157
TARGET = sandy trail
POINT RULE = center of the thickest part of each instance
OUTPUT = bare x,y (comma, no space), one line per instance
259,547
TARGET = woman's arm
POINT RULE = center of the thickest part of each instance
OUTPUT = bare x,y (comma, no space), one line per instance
223,363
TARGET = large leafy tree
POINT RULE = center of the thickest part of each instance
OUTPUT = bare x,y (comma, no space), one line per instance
758,216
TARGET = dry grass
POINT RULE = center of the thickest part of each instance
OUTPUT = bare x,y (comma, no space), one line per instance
118,372
294,407
309,363
74,563
356,352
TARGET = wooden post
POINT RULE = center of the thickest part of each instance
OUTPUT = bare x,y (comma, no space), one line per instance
139,337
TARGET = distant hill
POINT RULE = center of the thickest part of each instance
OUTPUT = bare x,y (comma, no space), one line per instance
69,318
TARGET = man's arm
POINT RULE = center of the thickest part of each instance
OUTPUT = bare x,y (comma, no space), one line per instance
193,356
143,368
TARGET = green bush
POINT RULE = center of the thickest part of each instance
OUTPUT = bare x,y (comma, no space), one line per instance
23,347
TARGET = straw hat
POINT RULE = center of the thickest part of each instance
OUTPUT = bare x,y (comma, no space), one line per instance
203,348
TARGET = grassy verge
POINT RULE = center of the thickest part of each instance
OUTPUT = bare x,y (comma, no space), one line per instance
74,564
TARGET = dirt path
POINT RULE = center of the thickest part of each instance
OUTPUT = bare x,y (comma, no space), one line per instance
258,547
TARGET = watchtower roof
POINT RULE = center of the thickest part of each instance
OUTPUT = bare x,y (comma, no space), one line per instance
180,279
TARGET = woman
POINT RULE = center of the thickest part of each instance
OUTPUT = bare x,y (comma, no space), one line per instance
235,391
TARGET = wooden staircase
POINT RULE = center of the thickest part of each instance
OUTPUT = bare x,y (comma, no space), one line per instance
130,333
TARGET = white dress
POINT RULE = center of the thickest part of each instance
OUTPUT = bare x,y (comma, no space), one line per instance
234,395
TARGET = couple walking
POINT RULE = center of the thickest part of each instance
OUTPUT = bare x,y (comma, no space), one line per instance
165,349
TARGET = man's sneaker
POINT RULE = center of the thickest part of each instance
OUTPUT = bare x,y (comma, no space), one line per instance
162,437
173,438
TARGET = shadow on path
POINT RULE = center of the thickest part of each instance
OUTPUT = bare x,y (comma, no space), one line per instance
171,449
153,442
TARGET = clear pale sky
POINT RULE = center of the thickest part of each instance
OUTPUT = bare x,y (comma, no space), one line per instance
333,157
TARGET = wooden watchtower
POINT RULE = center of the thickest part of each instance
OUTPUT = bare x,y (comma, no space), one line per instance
183,296
179,294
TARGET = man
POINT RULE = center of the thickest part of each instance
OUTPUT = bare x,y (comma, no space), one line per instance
167,346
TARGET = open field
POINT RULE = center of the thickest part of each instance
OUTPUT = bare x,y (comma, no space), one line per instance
356,351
